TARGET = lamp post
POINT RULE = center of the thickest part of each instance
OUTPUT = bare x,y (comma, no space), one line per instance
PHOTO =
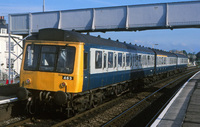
1,71
153,45
43,5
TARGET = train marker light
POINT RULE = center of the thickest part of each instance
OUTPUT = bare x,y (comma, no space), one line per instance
62,85
28,81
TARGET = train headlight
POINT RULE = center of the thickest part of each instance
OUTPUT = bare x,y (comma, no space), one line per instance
62,85
28,81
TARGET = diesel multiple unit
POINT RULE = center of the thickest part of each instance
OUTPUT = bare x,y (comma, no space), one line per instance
76,71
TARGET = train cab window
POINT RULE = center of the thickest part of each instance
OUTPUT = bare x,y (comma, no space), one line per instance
31,58
98,59
119,59
48,57
110,59
66,58
127,60
85,60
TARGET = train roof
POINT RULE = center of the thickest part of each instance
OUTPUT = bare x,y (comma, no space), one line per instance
181,55
161,52
64,35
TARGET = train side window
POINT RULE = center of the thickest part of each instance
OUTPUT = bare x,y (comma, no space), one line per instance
85,60
139,60
123,61
119,59
110,59
115,60
127,60
143,60
148,60
98,59
105,60
136,60
133,60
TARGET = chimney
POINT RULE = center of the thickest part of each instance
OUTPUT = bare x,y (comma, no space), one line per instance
2,20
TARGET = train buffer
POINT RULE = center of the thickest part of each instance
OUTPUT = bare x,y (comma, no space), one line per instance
184,108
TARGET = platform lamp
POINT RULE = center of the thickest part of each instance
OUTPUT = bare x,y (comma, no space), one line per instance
43,5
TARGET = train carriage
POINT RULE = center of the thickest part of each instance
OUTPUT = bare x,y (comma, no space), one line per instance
165,61
182,62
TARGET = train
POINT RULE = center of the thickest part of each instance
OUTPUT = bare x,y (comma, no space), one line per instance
76,71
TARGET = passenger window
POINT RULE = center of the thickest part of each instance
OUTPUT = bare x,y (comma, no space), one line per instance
119,59
133,60
110,59
149,60
123,61
98,59
139,60
85,60
127,60
136,60
105,60
115,61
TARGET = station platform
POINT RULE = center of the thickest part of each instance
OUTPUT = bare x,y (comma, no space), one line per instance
8,93
184,108
7,99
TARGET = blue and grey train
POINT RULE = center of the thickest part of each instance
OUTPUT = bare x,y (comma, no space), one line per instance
77,71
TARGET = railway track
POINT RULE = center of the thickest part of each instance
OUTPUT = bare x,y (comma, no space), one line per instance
120,111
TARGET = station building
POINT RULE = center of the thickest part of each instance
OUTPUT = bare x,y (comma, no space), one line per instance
4,52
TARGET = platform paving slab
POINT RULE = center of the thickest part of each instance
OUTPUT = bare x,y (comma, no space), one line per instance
188,97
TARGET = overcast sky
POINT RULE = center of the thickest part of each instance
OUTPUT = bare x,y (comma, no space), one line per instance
179,39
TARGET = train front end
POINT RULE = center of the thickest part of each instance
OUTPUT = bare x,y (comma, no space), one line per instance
51,70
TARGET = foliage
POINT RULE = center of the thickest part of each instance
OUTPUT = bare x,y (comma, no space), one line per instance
184,52
198,58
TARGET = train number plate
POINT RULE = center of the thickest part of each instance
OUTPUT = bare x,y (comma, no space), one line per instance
67,78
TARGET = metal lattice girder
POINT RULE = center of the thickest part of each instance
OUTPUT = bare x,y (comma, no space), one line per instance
121,18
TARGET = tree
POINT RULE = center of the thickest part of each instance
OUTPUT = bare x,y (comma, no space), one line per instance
184,52
198,58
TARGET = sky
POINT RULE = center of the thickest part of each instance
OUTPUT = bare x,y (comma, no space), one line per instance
176,39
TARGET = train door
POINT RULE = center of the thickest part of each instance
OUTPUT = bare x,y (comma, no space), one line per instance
86,77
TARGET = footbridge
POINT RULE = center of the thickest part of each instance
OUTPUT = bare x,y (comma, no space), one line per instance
120,18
